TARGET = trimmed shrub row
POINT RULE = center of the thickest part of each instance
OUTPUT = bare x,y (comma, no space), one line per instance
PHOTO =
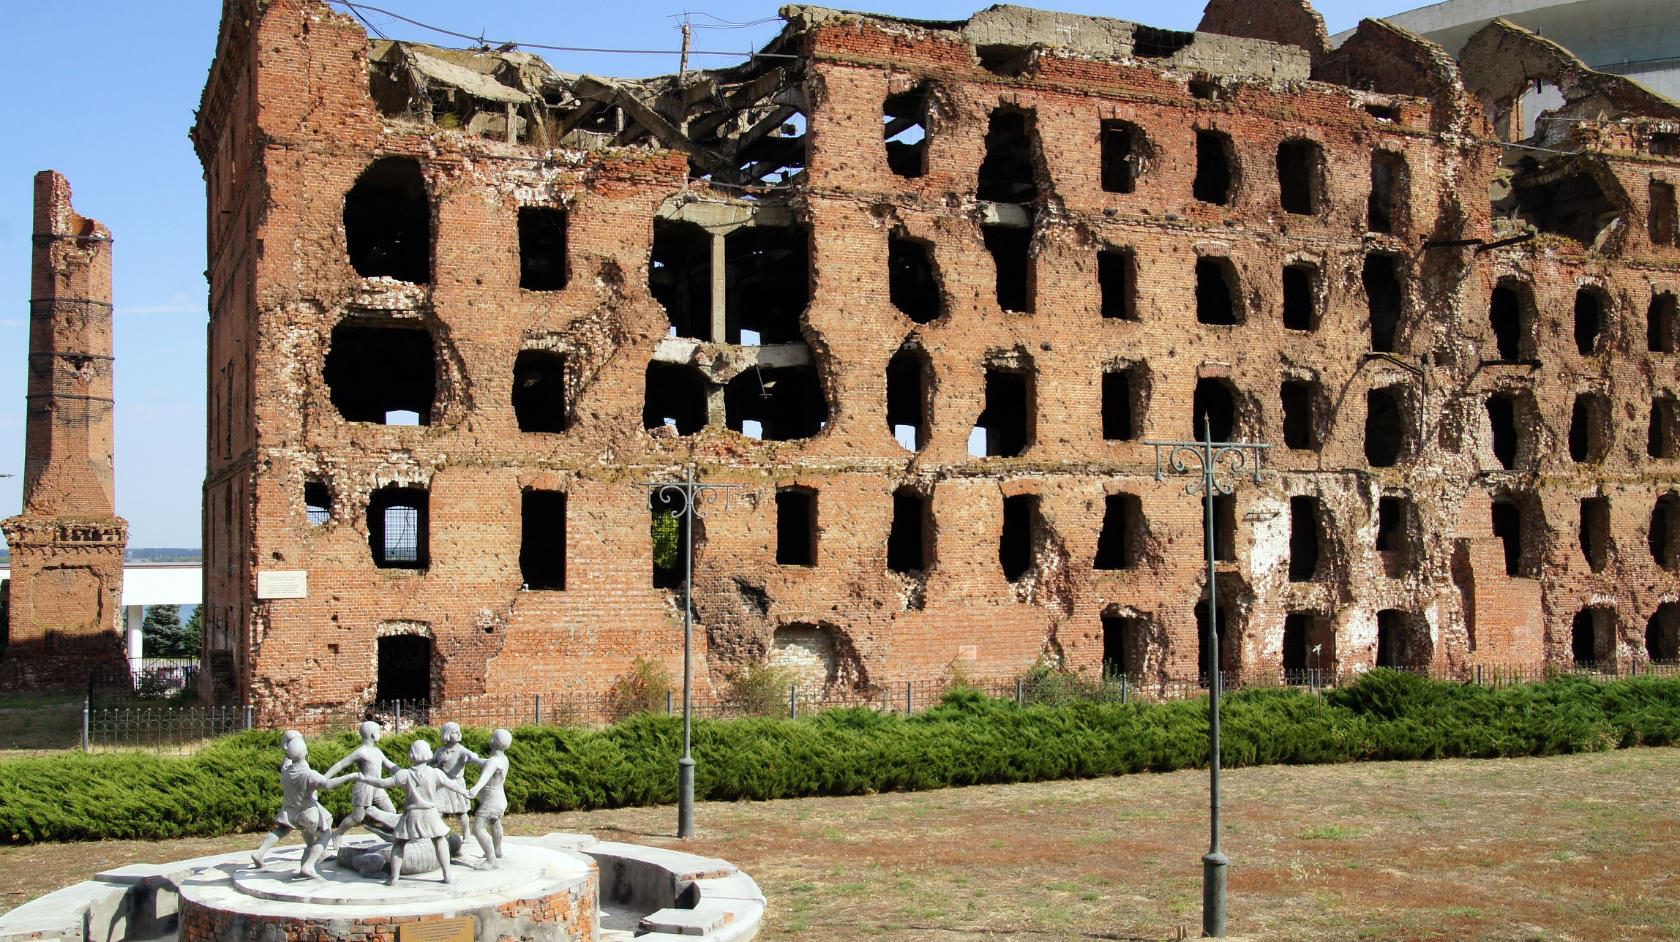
968,739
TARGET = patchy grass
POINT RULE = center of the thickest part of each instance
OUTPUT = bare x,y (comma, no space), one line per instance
1568,848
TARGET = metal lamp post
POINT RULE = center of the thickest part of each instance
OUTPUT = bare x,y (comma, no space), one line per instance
686,497
1203,459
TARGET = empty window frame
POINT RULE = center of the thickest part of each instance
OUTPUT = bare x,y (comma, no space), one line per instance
680,276
1124,400
1018,536
1395,533
388,222
1300,296
1301,400
776,404
1388,187
1511,318
1007,171
1662,438
1215,168
1305,532
1011,251
674,397
542,248
1384,300
1590,311
1594,532
1387,426
1121,537
1403,641
1514,527
539,391
1662,633
1123,640
1592,636
317,502
912,282
1230,656
1300,170
1123,148
1117,283
668,533
384,372
904,131
542,539
1008,417
1663,532
1589,428
1217,292
1224,527
1213,406
910,541
796,527
403,669
1503,434
1664,217
398,527
767,284
1662,323
1309,646
909,393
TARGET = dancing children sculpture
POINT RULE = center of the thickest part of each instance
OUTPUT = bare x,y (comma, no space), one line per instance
369,762
420,819
301,808
451,760
492,798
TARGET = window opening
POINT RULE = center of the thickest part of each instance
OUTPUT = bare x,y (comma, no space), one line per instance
909,389
1502,429
1224,527
1300,296
1662,440
1388,173
1589,321
1508,529
1664,212
674,397
1394,533
1007,420
1383,298
1216,292
1402,640
1309,645
1121,534
388,222
405,669
542,539
1230,658
1006,59
1662,633
910,538
542,248
397,523
768,284
1589,428
317,503
1122,646
1117,283
912,285
1214,403
1508,314
374,371
1213,168
1300,399
1122,403
1386,426
1594,533
1663,535
1015,540
1592,636
1152,42
1011,251
539,391
1662,323
669,537
1304,528
796,527
1122,155
1300,169
904,129
680,276
1006,173
787,402
1571,205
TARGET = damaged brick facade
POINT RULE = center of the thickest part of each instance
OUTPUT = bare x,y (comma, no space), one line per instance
924,290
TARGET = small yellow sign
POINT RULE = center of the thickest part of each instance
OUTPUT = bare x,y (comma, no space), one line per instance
459,929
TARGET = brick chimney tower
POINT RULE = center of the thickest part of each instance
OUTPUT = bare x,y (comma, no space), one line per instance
67,545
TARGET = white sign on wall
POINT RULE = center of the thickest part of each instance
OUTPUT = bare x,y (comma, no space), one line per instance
283,584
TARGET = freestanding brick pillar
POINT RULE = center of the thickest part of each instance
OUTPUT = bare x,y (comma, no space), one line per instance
67,545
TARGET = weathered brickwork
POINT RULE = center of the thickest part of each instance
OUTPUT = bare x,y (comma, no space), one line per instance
64,609
1296,243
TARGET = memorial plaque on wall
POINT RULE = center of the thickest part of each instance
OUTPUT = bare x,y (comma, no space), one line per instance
458,929
283,584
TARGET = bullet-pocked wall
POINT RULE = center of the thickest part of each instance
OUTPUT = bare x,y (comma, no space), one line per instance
924,292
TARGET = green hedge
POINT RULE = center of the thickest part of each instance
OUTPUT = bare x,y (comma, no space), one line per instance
968,739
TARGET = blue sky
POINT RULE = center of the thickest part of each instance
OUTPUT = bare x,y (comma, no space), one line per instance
104,92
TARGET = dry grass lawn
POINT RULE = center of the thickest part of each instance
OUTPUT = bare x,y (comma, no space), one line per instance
1571,848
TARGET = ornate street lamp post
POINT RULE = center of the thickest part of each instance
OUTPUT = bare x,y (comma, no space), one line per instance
685,498
1203,459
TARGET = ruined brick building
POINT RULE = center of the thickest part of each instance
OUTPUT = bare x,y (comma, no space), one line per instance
925,289
63,612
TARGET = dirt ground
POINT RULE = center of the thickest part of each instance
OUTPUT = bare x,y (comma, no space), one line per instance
1570,848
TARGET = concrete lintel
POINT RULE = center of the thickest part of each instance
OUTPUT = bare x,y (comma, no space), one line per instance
722,217
1013,215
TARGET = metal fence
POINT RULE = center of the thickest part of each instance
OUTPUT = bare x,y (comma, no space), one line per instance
186,728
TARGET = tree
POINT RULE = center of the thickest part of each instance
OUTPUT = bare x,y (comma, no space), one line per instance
163,635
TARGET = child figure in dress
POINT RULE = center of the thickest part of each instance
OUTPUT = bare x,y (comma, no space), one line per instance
451,760
492,798
301,808
420,819
365,800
